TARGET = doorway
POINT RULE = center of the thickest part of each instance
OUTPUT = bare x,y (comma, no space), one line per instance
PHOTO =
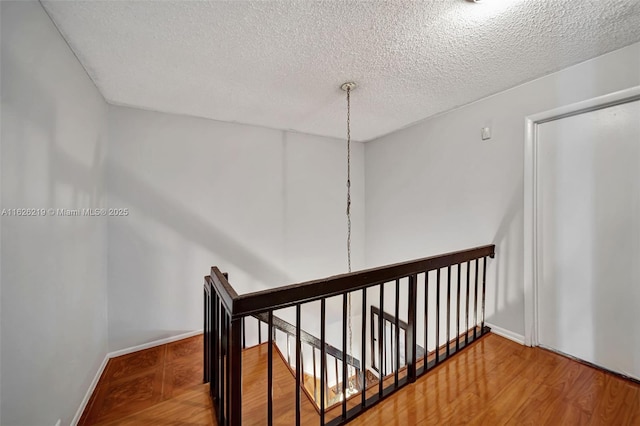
584,220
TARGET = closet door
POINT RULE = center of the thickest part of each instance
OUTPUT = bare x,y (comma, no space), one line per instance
588,228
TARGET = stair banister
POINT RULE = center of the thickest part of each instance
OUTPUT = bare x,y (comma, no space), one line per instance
225,312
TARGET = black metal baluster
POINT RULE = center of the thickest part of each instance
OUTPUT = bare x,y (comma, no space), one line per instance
410,334
475,309
335,364
288,351
244,336
270,371
380,339
259,332
384,340
484,288
426,322
223,342
234,362
345,374
315,379
209,338
298,356
466,327
227,377
217,341
323,360
211,341
406,346
438,317
214,346
326,376
374,339
205,375
388,355
397,336
448,309
458,312
363,363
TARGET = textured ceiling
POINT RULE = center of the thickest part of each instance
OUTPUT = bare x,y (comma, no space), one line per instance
280,63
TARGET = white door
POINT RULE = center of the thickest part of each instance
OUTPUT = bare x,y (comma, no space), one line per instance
588,229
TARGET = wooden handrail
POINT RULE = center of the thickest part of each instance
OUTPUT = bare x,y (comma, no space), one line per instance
220,283
286,296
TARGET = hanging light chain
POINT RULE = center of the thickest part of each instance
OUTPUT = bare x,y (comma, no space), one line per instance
349,177
349,228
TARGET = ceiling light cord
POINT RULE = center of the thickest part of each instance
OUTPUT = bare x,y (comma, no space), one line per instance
349,87
349,178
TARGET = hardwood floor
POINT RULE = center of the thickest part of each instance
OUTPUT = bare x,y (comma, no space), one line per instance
135,382
498,382
494,381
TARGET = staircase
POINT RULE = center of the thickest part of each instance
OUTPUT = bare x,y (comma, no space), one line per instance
311,382
409,317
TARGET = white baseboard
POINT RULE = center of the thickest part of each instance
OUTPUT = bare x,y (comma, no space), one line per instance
87,395
507,334
121,352
148,345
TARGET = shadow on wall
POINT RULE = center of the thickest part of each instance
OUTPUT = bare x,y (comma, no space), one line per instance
82,183
156,262
127,187
189,225
508,239
155,283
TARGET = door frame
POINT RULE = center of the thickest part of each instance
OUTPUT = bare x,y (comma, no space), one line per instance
531,237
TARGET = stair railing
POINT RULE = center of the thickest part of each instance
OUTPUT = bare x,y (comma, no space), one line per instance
395,353
314,344
225,309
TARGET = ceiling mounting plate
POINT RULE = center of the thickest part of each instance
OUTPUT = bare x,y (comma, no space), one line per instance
350,85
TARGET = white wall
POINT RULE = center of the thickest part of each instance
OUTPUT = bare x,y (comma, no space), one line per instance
267,206
53,309
436,187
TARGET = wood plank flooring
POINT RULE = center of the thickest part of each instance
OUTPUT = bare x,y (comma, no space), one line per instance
498,382
143,379
494,381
